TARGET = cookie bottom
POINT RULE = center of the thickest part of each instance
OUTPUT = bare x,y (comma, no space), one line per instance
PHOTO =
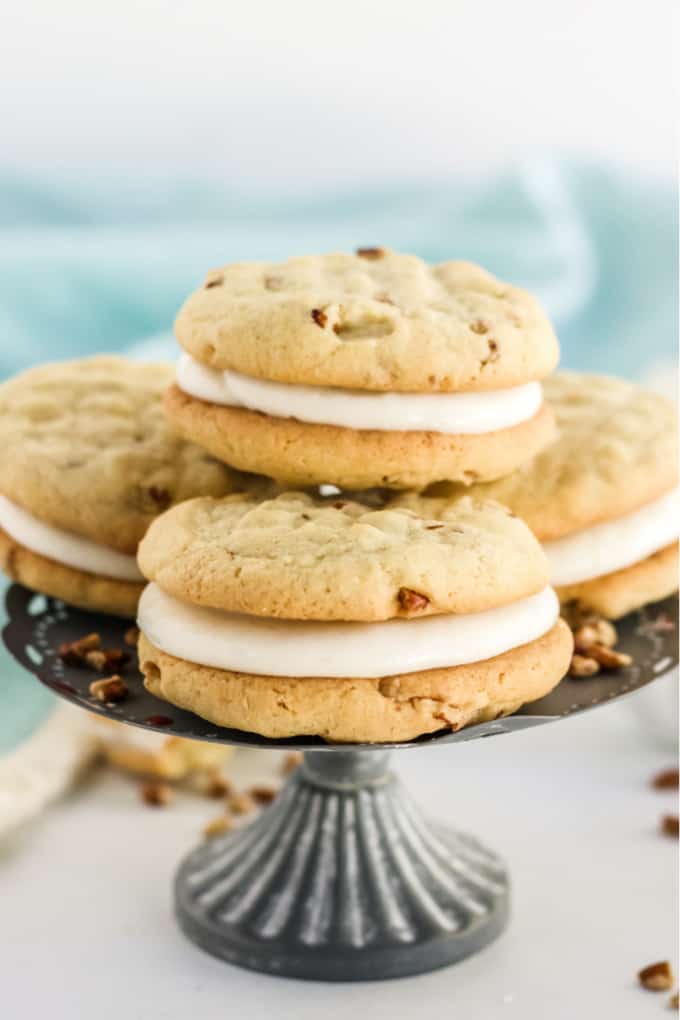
77,587
393,708
614,595
301,454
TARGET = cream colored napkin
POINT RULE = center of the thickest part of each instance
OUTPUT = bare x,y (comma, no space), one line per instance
45,766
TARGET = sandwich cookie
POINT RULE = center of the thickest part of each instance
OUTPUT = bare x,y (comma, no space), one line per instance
295,616
88,461
363,370
603,499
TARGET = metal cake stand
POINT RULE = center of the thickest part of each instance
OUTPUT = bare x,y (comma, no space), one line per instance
342,878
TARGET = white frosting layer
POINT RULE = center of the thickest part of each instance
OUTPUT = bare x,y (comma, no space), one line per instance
457,413
615,544
250,644
65,547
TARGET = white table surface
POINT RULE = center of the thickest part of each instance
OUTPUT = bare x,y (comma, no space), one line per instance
86,926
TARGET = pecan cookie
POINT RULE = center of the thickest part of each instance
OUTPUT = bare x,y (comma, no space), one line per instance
603,498
363,370
295,616
88,462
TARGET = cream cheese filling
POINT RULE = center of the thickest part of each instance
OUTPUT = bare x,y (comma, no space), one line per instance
64,546
454,413
616,544
293,648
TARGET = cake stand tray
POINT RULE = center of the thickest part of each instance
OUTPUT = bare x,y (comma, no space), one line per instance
341,878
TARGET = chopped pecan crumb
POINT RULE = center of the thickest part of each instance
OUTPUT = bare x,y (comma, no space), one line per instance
582,666
216,786
132,636
156,794
493,352
479,327
291,762
339,504
670,826
595,632
657,977
674,1002
412,601
433,527
161,497
113,688
73,653
667,779
241,804
263,794
320,317
105,659
216,280
608,658
371,253
217,826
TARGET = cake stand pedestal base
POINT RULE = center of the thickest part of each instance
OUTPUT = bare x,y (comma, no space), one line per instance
342,879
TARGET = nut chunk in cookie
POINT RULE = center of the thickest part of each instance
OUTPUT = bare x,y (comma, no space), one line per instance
88,462
372,369
295,616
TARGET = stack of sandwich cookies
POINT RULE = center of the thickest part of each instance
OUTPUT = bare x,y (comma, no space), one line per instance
88,462
292,616
603,499
363,370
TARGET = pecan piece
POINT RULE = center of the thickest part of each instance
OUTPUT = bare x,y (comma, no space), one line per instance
479,327
608,658
263,794
412,601
371,253
217,826
291,762
319,316
241,804
657,977
667,779
132,636
112,689
595,632
583,666
72,653
104,659
214,280
670,826
156,794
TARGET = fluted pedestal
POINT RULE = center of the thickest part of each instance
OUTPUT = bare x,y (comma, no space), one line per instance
342,879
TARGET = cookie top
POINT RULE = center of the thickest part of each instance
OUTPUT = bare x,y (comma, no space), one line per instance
617,450
376,320
86,448
299,557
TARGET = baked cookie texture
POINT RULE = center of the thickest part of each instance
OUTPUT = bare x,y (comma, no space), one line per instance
367,710
376,320
613,595
301,557
87,449
617,450
303,454
77,587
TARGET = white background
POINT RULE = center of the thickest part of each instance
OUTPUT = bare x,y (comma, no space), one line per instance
310,93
